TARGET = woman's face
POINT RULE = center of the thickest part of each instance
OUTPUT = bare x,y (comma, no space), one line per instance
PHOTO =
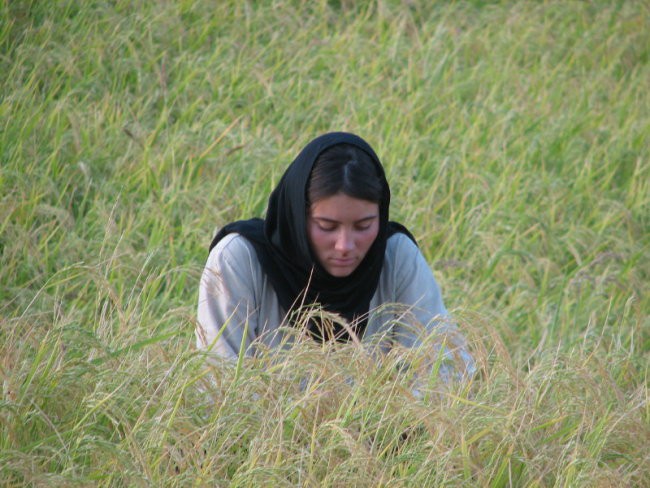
341,229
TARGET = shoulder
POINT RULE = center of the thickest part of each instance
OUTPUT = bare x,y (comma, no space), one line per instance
404,263
234,249
400,247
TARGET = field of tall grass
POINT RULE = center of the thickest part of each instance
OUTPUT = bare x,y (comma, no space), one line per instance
516,138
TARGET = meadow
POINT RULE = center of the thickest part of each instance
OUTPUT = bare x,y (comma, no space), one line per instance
515,137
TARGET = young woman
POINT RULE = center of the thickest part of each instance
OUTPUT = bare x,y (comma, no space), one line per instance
326,241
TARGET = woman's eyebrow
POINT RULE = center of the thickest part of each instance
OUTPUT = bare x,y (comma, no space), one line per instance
334,221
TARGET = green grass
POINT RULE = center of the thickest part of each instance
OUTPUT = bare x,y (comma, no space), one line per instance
515,139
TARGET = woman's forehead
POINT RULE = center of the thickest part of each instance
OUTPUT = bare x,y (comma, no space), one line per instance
343,207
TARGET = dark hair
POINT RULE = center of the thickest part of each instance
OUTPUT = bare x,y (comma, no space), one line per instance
347,169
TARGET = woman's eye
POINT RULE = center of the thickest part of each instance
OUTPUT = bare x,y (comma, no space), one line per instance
327,228
363,227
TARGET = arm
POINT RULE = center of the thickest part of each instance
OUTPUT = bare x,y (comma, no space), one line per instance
228,299
426,318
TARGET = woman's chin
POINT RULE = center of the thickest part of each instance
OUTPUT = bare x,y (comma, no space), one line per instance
340,271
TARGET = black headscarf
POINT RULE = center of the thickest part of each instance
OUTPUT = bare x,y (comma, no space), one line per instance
282,246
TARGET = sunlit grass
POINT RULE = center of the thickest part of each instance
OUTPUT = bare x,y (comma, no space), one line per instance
514,137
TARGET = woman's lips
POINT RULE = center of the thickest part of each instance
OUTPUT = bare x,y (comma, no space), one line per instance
342,262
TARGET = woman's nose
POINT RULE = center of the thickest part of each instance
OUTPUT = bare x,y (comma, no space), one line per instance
344,241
